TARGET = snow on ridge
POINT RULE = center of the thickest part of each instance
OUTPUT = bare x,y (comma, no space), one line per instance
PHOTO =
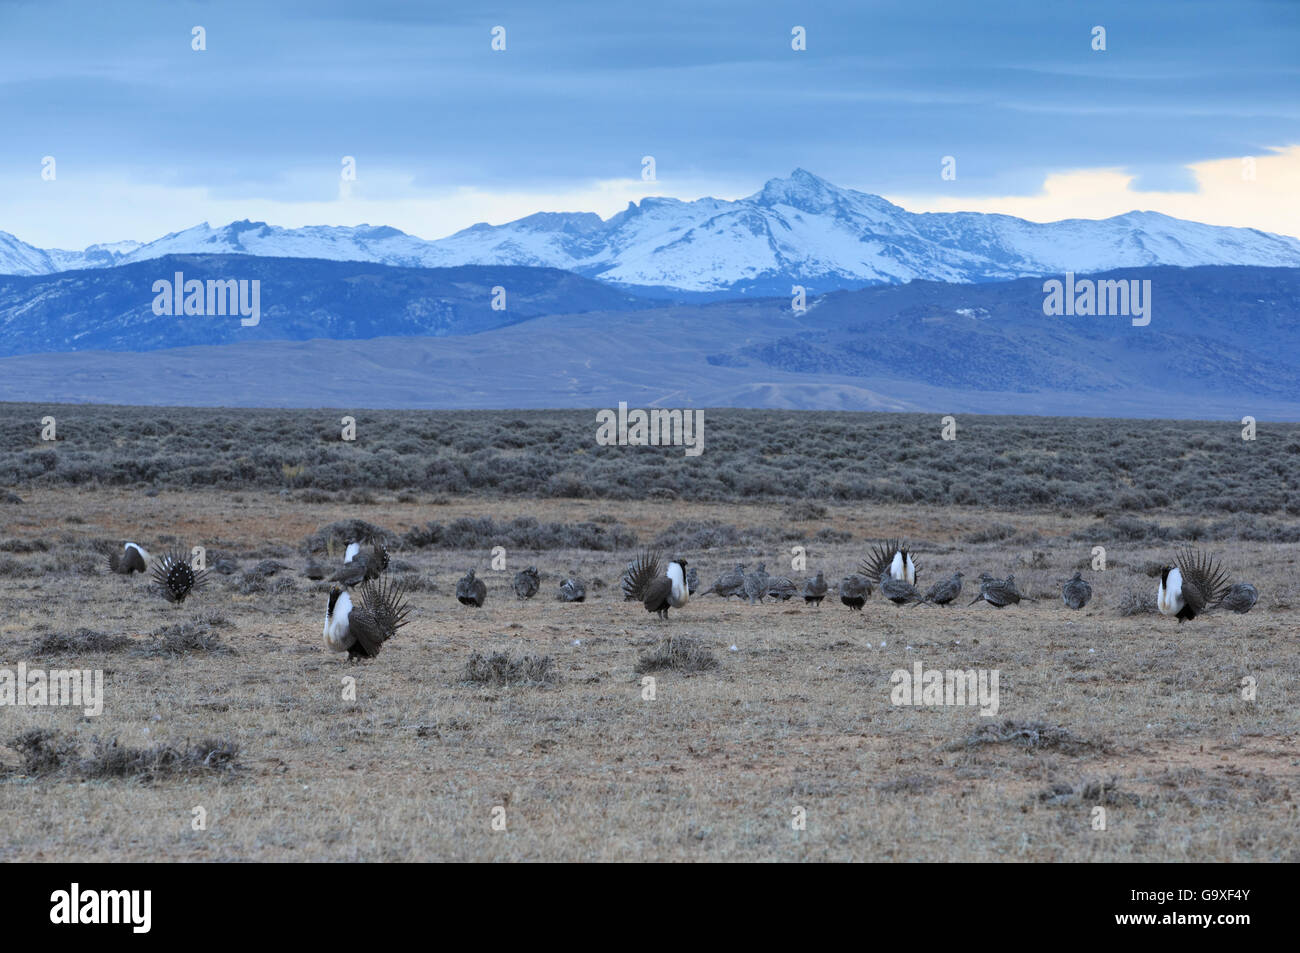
802,228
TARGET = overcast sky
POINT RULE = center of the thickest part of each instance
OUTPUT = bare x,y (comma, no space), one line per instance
150,136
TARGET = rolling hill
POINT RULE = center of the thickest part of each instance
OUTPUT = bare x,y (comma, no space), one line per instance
1223,342
300,299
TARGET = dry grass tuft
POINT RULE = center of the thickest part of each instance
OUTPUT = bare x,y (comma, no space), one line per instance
112,760
992,533
505,668
681,654
43,752
1107,793
803,510
908,784
182,638
1034,735
213,618
1137,602
254,583
81,642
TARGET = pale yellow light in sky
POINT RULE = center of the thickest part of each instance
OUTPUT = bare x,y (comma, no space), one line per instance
74,211
1224,195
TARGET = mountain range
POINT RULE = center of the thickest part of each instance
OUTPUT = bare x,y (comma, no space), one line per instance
1223,342
299,299
797,230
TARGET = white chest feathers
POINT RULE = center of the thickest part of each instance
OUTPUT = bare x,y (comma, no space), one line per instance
337,636
681,593
1169,597
351,552
903,569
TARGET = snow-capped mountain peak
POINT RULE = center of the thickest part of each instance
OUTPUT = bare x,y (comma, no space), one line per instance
801,229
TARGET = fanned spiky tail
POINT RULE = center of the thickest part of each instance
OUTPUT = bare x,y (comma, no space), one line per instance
1205,574
385,600
176,578
644,570
876,564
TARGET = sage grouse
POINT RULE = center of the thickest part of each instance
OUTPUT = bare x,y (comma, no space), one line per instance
1193,585
945,591
1076,592
361,564
176,578
360,630
891,559
625,583
471,591
756,583
527,582
899,591
782,588
729,583
131,559
1241,597
572,589
998,593
658,588
814,590
854,591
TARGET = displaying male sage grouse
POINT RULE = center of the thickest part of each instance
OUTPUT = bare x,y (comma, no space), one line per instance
1193,585
1076,593
658,588
360,630
361,564
624,581
999,593
814,590
854,591
527,582
891,559
132,558
572,589
176,578
1240,598
471,591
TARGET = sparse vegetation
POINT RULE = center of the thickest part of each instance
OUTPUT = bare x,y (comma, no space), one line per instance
506,668
1122,467
538,704
182,638
521,533
1137,602
679,653
109,759
1036,736
44,753
81,642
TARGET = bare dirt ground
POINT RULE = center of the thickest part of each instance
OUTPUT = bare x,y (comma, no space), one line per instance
797,716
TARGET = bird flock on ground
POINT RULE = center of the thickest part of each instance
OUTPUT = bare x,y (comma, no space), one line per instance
366,607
